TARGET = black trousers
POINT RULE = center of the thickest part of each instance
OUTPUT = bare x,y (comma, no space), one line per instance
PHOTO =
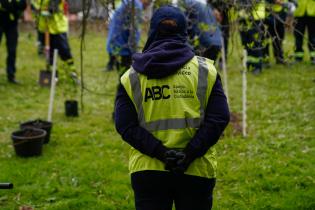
158,190
301,24
252,38
11,34
60,42
40,42
275,31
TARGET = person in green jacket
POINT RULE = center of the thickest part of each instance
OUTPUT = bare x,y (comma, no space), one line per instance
51,19
305,18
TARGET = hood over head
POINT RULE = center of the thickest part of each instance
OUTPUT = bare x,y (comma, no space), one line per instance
166,49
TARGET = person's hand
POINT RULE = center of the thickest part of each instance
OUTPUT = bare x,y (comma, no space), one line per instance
218,16
174,161
183,162
177,161
171,158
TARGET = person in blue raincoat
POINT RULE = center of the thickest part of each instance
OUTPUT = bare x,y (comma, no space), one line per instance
119,40
203,29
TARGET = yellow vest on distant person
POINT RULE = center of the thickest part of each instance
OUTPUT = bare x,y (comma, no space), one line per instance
55,23
172,109
305,8
277,8
258,12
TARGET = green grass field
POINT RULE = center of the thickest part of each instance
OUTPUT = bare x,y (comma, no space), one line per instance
84,166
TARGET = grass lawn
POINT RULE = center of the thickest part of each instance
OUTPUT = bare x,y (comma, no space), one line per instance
84,166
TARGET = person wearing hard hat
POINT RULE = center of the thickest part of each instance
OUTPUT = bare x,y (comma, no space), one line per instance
10,11
171,109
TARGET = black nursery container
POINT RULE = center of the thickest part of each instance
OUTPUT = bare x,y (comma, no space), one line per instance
71,108
41,124
28,142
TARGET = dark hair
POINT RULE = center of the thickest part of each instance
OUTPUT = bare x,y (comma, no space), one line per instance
167,27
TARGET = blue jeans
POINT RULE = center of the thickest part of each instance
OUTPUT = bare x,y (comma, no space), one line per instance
158,190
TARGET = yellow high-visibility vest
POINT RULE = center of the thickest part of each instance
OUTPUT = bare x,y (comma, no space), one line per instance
258,11
55,23
172,109
305,7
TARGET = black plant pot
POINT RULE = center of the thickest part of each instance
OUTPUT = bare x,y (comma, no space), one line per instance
41,124
28,142
71,108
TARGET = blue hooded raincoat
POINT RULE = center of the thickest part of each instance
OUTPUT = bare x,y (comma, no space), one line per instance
118,41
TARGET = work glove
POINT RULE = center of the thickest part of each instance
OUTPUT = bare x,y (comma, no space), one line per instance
175,161
181,162
160,151
171,159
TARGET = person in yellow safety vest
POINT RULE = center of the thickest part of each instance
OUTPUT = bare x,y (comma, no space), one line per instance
171,109
10,11
305,18
277,11
252,15
51,19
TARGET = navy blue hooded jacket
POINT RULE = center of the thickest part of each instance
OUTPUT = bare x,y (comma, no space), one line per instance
168,51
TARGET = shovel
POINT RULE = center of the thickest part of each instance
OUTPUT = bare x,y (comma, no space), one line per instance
45,75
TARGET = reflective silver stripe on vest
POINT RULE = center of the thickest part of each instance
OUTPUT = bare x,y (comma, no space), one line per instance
167,124
179,123
137,95
202,84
